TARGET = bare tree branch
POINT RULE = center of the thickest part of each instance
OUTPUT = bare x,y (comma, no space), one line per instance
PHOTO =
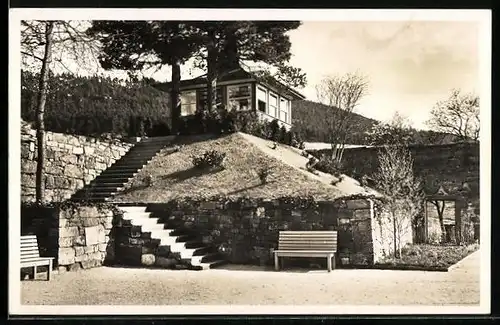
458,115
343,94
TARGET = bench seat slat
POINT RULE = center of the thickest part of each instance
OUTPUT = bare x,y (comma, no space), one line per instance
307,244
30,254
307,235
34,246
322,253
321,232
306,248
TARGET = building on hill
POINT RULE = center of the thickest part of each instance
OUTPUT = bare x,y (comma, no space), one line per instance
241,90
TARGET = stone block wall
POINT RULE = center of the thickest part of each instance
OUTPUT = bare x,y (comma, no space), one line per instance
449,165
246,231
78,237
71,162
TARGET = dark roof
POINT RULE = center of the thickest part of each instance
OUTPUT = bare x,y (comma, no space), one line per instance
236,74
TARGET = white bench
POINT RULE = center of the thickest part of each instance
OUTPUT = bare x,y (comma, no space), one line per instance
307,244
30,255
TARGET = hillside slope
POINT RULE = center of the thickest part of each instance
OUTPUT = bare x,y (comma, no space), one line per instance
171,175
310,120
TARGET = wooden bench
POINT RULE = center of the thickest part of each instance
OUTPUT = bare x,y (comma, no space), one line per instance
30,255
307,244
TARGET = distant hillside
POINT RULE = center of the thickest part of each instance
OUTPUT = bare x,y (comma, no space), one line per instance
310,120
96,105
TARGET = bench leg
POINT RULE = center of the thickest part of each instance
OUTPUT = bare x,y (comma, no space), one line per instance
329,263
333,262
276,262
49,270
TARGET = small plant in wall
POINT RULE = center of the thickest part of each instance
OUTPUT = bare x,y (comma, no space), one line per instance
209,159
264,174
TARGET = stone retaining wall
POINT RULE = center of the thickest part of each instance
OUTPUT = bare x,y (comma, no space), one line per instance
246,231
71,162
78,237
449,165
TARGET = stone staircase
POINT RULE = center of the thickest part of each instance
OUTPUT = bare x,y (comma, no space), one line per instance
114,178
174,242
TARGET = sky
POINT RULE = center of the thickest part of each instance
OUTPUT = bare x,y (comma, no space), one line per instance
410,65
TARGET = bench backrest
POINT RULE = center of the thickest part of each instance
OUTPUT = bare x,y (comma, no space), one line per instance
29,247
308,241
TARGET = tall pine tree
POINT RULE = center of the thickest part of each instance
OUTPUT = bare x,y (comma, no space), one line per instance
224,44
136,45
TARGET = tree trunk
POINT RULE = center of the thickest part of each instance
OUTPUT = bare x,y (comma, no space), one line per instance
440,212
175,95
40,110
441,223
211,72
394,234
230,59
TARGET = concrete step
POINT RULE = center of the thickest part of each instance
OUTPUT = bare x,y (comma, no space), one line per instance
144,151
101,190
121,169
165,239
132,209
131,164
136,214
209,265
190,252
142,221
118,173
206,258
152,227
105,183
165,139
113,178
105,186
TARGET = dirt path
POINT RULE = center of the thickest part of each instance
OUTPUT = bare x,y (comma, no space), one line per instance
254,286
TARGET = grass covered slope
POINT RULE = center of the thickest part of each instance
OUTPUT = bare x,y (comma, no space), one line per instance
171,174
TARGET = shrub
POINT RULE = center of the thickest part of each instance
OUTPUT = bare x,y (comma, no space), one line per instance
209,159
330,166
273,130
282,135
264,173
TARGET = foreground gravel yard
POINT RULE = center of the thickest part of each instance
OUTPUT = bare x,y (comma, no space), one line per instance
255,286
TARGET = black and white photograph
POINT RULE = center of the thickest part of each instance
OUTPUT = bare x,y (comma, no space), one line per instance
249,161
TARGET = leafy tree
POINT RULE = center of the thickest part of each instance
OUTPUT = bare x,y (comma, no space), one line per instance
136,45
402,190
225,44
458,115
95,105
342,92
44,43
397,131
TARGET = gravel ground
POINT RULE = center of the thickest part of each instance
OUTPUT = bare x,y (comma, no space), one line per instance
244,285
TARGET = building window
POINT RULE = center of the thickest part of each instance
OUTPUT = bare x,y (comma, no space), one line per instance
262,100
284,110
202,98
289,109
188,102
273,105
239,97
